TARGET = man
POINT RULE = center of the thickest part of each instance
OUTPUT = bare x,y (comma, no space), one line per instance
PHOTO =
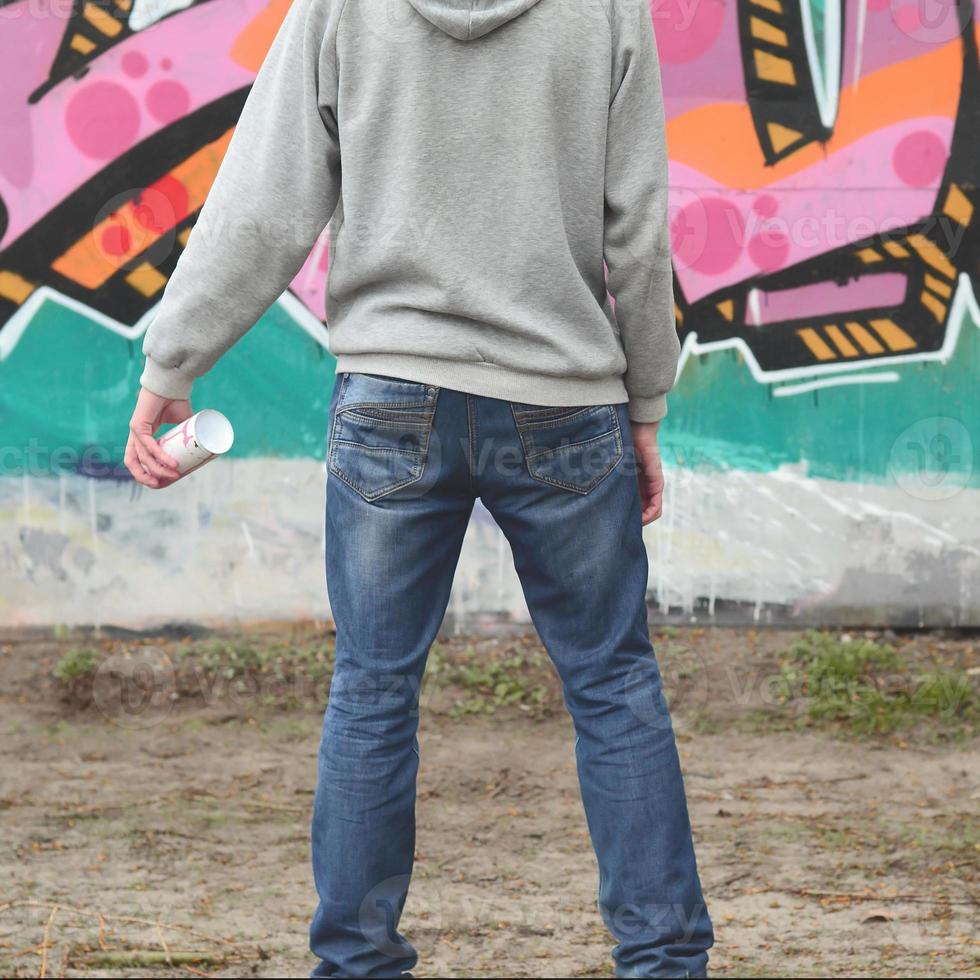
494,155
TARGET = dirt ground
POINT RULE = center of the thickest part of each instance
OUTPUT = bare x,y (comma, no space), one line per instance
178,829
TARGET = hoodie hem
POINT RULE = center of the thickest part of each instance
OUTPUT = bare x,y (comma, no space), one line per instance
648,409
488,380
167,382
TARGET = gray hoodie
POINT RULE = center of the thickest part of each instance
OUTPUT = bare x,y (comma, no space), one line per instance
476,163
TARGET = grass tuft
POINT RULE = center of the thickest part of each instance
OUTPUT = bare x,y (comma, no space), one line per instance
486,682
78,662
865,688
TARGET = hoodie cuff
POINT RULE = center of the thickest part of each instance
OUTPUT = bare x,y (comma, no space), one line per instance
167,382
648,409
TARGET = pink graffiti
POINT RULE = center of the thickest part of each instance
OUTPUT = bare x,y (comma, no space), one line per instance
721,236
137,88
888,178
183,431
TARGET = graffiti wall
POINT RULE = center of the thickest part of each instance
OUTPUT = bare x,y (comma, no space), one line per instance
822,438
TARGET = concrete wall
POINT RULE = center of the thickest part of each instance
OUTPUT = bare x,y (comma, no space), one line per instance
823,434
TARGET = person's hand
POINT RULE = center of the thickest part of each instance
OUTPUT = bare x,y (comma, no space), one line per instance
144,458
649,469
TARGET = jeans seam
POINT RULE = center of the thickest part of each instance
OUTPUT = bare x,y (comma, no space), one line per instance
422,453
368,495
554,423
616,431
379,449
575,445
331,443
472,426
390,406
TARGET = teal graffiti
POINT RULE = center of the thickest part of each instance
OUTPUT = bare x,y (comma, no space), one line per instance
69,385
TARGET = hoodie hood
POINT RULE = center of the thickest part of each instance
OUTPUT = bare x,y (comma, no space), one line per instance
467,20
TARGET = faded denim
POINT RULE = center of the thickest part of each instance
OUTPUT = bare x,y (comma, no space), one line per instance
406,462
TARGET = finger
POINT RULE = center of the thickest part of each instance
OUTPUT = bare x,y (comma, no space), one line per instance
161,471
657,503
164,458
163,464
660,487
653,505
646,495
646,505
142,474
158,452
133,464
139,473
152,467
648,491
143,429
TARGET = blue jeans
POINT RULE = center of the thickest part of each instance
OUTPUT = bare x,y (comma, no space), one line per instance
406,461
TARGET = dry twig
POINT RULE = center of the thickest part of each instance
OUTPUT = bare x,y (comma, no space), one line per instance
129,919
858,897
46,942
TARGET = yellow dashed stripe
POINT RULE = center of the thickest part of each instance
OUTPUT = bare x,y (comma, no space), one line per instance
82,44
958,206
935,306
772,68
782,136
841,342
765,31
147,279
14,287
896,250
893,335
933,254
938,286
100,20
818,348
868,343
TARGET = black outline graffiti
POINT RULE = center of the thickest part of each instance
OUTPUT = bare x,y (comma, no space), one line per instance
931,254
81,31
792,107
30,256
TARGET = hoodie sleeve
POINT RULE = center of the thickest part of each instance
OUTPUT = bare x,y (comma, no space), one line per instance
637,238
274,193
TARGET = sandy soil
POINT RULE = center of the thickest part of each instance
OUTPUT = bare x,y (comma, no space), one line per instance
181,830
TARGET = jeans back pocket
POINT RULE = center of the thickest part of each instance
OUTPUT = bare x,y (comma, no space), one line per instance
569,447
379,438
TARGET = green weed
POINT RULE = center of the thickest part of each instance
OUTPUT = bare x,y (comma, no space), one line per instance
867,688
